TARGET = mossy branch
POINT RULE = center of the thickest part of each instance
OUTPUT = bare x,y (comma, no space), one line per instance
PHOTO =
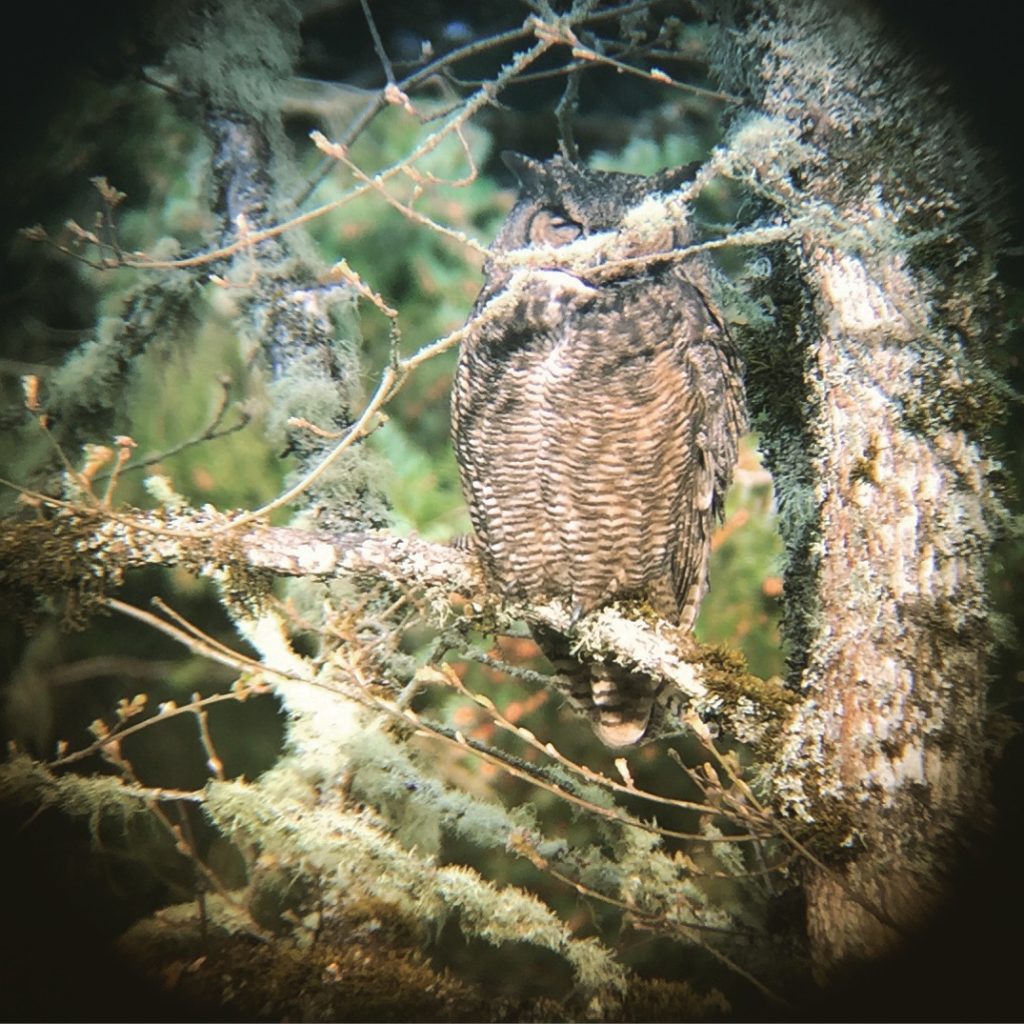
100,546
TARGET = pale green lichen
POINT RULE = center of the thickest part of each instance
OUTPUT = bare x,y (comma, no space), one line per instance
97,798
353,856
236,61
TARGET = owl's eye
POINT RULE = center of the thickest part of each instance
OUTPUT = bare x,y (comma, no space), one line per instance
549,227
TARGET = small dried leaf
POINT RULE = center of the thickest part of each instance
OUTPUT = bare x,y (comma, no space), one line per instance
623,768
397,98
111,196
30,389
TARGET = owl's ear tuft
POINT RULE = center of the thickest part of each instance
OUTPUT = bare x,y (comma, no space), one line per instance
531,174
672,178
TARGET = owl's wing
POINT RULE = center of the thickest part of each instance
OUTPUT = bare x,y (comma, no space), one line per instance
689,565
710,366
499,425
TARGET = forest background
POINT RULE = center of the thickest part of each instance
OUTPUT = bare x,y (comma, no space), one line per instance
74,114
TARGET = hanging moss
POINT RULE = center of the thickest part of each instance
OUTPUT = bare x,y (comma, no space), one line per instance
364,965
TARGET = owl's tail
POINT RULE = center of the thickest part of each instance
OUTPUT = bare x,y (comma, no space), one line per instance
618,701
622,703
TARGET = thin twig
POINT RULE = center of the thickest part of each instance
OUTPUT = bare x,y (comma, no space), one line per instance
166,712
378,45
213,761
365,695
529,773
549,750
196,642
585,53
391,380
691,930
339,154
378,101
876,911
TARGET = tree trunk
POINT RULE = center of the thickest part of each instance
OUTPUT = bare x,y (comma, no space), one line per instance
874,406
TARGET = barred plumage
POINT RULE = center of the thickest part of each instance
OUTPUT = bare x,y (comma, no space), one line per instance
595,412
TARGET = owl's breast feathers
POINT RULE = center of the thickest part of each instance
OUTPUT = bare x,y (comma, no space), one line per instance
596,429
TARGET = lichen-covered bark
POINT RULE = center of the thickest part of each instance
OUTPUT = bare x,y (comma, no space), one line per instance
892,736
237,63
889,303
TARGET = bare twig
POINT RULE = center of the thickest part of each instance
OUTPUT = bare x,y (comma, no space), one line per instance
693,931
363,693
786,834
450,678
390,382
338,153
378,45
378,101
213,761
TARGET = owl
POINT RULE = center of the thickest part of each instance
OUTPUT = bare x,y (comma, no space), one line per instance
596,411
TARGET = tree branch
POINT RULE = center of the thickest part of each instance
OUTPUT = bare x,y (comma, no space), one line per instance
701,680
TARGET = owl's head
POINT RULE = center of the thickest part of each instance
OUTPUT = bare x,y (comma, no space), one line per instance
560,202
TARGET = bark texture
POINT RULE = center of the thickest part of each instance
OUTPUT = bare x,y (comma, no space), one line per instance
303,327
875,403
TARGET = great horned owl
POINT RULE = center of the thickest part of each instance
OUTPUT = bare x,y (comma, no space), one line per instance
596,409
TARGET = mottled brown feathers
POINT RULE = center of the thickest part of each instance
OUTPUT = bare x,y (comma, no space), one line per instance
595,415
